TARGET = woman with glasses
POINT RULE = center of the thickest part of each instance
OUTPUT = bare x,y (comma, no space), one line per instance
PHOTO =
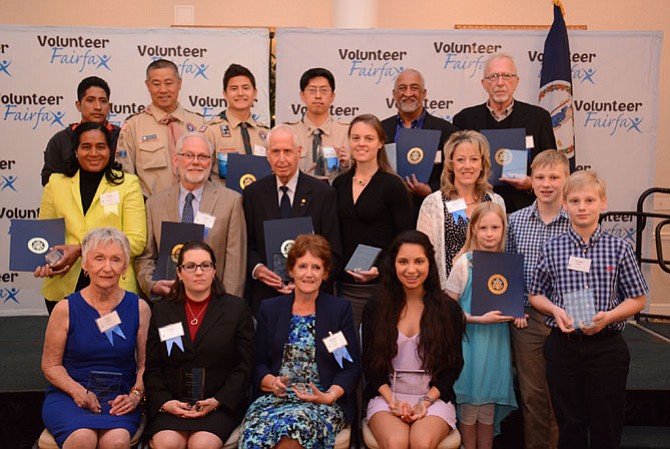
199,357
92,191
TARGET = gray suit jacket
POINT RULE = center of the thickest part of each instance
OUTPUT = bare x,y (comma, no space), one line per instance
228,237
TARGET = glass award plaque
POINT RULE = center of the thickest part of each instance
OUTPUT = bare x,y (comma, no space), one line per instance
580,306
410,386
279,267
106,386
192,385
327,163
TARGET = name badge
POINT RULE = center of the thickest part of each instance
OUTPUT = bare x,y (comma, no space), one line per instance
110,198
335,341
579,264
149,137
204,219
108,321
530,142
260,150
438,157
171,331
456,205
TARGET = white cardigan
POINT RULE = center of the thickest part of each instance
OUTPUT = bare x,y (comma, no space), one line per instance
431,223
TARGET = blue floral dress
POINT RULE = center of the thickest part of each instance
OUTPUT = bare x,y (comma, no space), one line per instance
270,418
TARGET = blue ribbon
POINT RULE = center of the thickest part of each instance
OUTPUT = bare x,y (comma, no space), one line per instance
174,341
340,354
115,330
459,213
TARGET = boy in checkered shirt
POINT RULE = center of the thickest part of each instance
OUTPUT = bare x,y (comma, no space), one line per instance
587,358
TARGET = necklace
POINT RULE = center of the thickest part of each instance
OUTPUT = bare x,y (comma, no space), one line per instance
194,321
361,182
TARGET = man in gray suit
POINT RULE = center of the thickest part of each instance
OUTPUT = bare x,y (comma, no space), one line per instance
196,199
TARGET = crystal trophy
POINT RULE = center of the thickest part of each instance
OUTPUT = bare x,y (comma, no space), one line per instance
106,386
410,386
192,385
327,163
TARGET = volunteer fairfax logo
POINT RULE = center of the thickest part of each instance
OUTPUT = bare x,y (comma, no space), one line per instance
247,179
7,182
33,109
376,65
82,53
583,74
612,116
581,65
415,155
497,284
469,58
503,156
38,245
187,66
286,247
9,294
4,67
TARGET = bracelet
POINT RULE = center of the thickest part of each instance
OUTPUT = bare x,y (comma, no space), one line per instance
137,391
428,399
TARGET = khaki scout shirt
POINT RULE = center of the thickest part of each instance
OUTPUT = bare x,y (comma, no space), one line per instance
225,133
144,149
333,134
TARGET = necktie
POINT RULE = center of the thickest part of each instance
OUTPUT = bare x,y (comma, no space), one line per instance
316,142
245,137
174,133
285,203
187,213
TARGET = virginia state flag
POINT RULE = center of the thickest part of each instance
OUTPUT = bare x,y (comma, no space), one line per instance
556,85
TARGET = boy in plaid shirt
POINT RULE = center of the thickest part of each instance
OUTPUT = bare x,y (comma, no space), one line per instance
587,359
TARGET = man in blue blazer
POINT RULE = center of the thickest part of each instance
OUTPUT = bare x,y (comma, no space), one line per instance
307,196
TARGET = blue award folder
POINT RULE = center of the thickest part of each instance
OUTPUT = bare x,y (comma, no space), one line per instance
415,152
279,237
244,169
30,241
173,237
509,156
497,283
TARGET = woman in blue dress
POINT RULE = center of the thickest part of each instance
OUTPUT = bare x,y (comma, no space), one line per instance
307,359
101,328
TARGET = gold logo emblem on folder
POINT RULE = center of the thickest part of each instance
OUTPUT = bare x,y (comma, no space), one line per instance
497,284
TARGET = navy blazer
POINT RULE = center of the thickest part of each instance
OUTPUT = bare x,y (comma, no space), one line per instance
313,198
332,315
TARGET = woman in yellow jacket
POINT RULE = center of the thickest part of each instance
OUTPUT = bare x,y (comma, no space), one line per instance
93,193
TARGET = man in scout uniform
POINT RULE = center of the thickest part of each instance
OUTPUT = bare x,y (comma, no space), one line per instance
234,129
148,139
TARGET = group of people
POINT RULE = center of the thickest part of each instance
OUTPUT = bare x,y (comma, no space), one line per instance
428,364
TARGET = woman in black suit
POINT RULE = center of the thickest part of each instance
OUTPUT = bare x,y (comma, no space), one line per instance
198,326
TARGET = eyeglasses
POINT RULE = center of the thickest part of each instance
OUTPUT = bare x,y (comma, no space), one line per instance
495,76
321,90
413,88
198,157
190,267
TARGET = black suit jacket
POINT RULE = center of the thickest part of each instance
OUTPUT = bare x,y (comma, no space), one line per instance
332,315
224,346
313,198
430,122
537,122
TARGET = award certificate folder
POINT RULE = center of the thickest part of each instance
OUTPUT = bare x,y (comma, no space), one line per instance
509,156
30,241
279,237
415,152
173,237
497,283
363,258
244,169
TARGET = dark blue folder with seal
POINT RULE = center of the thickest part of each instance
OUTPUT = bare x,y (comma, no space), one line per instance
509,156
415,152
173,237
497,283
244,169
279,237
30,241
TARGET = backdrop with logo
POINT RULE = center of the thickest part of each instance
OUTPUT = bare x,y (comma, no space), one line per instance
615,78
40,68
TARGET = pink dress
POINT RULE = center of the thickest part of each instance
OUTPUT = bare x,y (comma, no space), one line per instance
408,360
